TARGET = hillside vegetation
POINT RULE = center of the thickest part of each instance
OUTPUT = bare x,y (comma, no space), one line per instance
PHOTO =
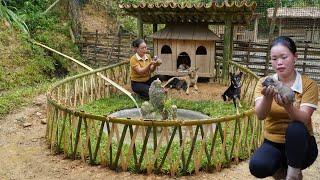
27,69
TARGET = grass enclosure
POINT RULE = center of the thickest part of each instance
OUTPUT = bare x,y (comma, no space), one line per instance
212,108
79,127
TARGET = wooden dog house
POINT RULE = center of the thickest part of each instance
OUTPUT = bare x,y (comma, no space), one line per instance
186,36
189,44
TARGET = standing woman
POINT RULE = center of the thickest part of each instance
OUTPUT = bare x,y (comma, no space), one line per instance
142,65
289,142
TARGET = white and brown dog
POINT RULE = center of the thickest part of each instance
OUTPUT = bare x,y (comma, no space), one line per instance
190,79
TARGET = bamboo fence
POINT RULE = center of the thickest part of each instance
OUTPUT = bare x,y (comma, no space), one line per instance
173,147
253,56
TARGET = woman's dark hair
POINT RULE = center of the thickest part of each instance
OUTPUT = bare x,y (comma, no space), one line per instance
136,43
285,41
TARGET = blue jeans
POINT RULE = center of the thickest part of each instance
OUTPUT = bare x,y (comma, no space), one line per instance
142,88
299,151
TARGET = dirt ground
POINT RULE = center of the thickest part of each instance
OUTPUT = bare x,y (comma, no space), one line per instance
24,153
95,19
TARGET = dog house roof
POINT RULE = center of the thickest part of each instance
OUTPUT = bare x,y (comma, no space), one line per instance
170,12
186,32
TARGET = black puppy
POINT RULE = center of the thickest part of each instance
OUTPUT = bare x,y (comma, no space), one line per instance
234,90
177,84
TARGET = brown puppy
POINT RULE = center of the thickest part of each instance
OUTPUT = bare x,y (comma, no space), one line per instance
191,79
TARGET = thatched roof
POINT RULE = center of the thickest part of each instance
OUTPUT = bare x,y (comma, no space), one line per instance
169,13
186,32
303,13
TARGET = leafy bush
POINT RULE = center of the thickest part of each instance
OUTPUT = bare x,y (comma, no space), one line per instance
24,65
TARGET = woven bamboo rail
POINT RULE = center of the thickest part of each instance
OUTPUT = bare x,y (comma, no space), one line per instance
172,147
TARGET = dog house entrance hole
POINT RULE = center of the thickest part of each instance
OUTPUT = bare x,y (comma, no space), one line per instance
183,61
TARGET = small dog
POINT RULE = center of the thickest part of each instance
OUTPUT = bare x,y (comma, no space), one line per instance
191,80
234,90
183,67
177,84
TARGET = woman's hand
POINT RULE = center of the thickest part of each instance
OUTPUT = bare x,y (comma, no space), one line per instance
268,91
282,101
263,105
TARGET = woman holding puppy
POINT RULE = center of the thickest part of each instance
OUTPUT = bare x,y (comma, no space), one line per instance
289,145
142,65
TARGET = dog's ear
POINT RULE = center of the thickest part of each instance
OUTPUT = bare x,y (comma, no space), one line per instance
230,74
241,73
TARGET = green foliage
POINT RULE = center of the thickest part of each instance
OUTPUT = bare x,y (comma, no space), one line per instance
19,96
118,102
24,65
8,15
108,105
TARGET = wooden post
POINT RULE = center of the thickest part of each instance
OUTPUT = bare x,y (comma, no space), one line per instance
280,27
256,26
140,27
154,28
304,58
248,53
95,47
313,31
119,43
272,27
227,47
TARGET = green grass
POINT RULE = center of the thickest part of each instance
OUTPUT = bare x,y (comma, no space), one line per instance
118,102
26,69
108,105
14,98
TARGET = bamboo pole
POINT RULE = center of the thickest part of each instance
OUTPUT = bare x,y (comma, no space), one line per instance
50,7
90,69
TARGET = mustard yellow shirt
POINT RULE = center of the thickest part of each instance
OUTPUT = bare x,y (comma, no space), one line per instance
136,60
276,123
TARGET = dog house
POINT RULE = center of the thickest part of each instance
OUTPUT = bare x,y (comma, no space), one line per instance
186,38
185,45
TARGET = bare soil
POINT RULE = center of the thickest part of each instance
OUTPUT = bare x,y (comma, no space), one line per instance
24,153
206,91
95,19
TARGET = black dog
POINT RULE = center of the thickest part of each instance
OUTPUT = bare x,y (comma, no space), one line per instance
234,90
177,84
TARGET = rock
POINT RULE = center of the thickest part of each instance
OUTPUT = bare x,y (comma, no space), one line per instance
43,121
21,119
38,113
27,124
37,103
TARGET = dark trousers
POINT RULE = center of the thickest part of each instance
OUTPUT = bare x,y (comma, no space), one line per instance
299,151
142,88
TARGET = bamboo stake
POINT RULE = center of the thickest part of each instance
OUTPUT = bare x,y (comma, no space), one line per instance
98,141
157,151
182,144
132,144
144,146
109,144
124,131
192,147
168,148
88,139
